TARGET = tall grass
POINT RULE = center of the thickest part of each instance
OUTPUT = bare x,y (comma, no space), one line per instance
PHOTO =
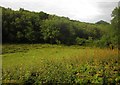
38,64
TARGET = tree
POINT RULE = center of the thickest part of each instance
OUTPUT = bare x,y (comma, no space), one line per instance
38,27
50,30
116,27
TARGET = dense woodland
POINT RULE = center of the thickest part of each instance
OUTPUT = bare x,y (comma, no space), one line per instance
23,26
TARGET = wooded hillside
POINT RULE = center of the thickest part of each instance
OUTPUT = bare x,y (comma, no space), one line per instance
25,26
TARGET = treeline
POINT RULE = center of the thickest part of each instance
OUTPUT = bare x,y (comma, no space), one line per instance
24,26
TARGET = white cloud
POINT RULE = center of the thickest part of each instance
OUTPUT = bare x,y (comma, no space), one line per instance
83,10
59,0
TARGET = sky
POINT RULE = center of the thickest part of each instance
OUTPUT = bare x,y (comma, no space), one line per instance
83,10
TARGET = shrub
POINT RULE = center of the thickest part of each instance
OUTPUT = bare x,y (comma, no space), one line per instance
80,41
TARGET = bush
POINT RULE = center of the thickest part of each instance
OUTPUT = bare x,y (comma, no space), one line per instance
80,41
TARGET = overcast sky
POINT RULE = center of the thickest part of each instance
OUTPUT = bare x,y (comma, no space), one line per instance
82,10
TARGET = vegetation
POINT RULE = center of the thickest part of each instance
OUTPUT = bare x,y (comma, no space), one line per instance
39,48
23,26
54,64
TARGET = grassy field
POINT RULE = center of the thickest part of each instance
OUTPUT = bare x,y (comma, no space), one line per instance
39,64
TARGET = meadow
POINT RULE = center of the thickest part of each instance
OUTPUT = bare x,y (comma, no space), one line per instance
58,64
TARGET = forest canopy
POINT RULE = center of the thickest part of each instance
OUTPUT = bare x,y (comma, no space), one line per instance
23,26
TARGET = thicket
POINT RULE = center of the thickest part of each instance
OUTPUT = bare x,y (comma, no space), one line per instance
23,26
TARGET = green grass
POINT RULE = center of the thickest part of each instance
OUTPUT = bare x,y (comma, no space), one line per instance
37,64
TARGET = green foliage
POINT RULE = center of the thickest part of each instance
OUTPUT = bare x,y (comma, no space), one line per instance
57,64
24,26
115,24
50,30
105,41
80,41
